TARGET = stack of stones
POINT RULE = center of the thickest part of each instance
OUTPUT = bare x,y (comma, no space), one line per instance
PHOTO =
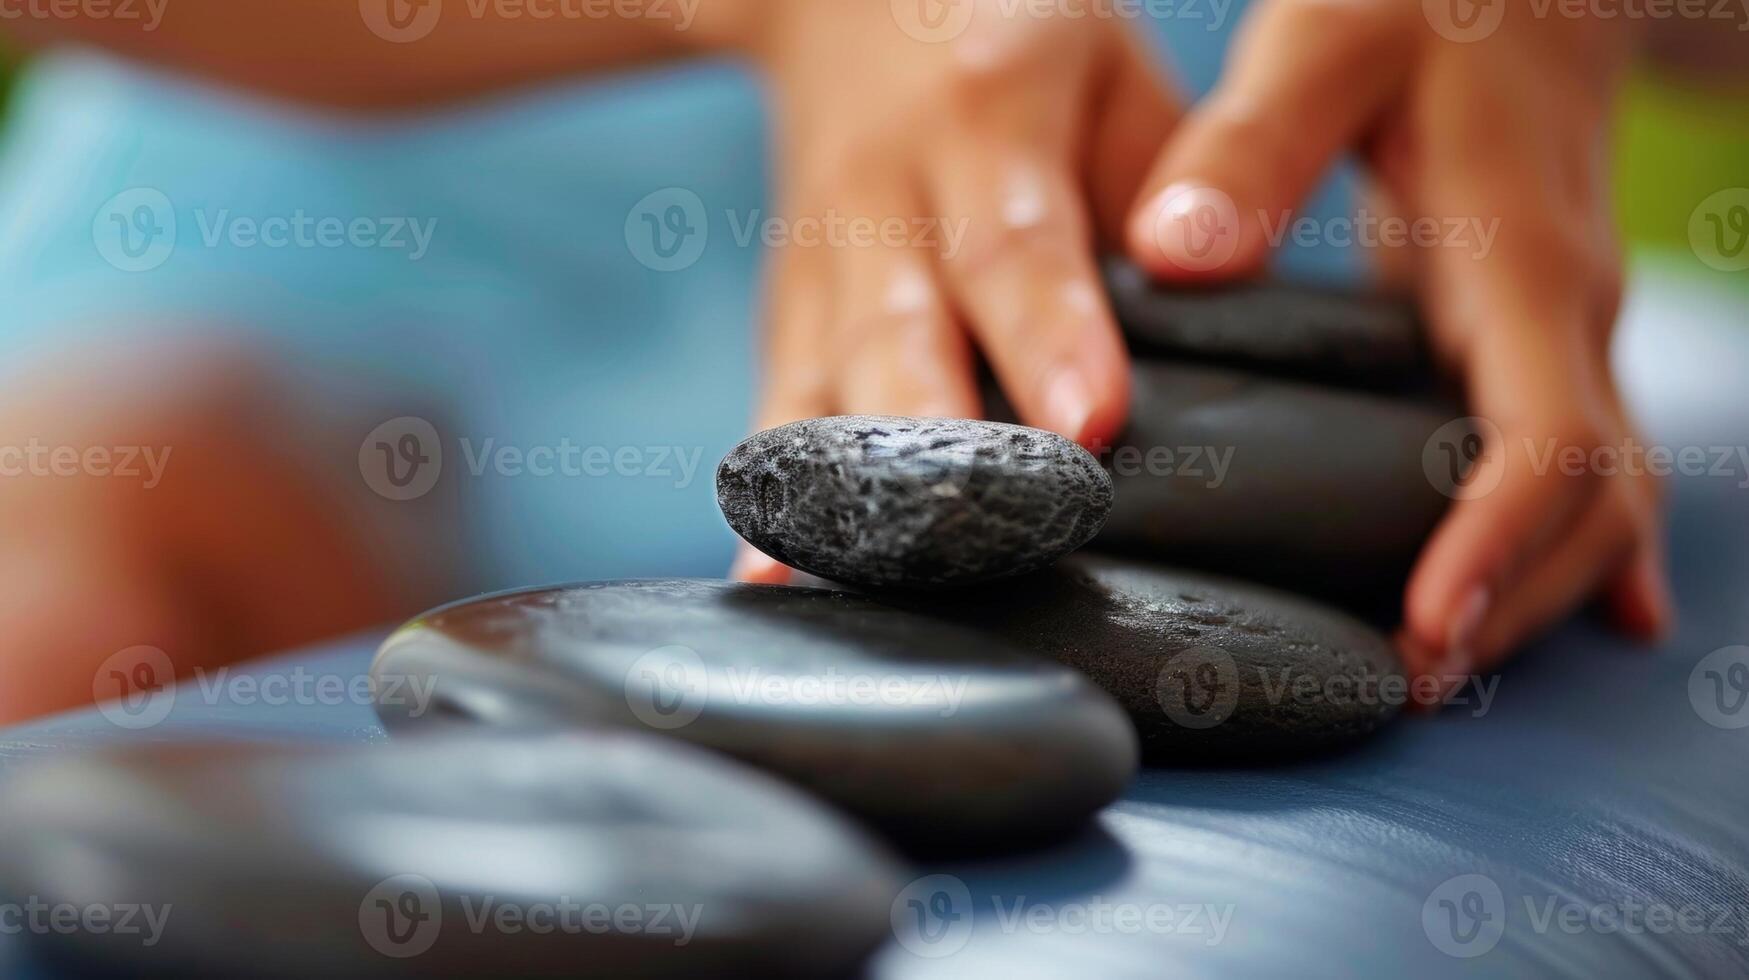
1276,446
689,777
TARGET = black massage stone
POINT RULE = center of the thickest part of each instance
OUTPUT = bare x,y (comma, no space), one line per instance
580,854
941,737
1211,670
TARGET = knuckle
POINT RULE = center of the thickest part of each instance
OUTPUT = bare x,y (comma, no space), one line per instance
1550,239
857,334
1002,248
1265,139
1028,346
971,85
1344,24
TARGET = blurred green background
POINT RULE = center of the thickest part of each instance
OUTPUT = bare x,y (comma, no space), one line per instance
1675,145
8,65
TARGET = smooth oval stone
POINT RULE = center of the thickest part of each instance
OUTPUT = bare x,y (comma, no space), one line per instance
1211,670
1351,336
442,857
1314,489
941,737
915,503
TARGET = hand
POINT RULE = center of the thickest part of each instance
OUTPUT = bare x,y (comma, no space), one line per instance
150,498
1011,149
1507,133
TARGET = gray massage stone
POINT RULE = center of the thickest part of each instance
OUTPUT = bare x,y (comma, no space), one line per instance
1352,336
945,739
913,503
1211,670
643,857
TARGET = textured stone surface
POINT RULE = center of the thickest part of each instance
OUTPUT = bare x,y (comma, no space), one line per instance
288,860
1211,670
1350,336
1315,489
944,738
918,503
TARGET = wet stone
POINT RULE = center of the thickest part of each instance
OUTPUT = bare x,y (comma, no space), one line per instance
1211,670
1315,489
578,854
1356,337
942,738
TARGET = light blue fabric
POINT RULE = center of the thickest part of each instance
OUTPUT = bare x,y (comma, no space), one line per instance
529,319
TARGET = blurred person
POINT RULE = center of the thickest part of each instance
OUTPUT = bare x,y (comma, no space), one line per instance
1046,134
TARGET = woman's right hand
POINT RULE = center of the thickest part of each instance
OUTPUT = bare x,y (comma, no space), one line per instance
945,187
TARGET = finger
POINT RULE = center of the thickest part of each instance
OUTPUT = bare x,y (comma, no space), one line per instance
898,348
796,380
797,375
54,641
1531,370
1565,575
1530,492
1393,260
1026,285
1135,111
755,566
1304,79
1517,303
1640,601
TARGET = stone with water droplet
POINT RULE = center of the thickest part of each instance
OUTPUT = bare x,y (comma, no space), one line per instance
1210,669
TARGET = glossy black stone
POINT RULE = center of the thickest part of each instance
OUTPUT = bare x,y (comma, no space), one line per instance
913,503
1211,670
1355,336
946,739
442,857
1315,489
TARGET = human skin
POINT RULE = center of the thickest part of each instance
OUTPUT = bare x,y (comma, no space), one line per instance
1043,138
1512,127
190,523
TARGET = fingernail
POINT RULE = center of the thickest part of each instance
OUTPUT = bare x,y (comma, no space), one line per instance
1460,654
1193,226
1068,402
